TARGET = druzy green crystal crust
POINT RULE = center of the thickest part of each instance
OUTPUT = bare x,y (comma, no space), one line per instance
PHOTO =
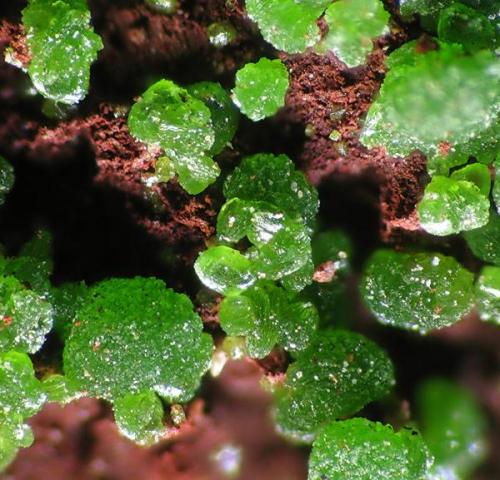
416,291
134,335
358,449
337,375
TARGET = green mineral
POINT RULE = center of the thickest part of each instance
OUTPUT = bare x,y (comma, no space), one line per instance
352,26
453,426
452,205
358,449
170,117
488,294
416,291
139,417
261,88
133,336
289,25
63,46
266,316
336,375
485,241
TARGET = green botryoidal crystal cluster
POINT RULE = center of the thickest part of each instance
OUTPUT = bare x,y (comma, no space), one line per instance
63,45
285,284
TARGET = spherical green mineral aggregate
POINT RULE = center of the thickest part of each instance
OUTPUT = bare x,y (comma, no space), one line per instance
358,449
21,394
63,47
274,179
452,205
457,95
164,169
352,25
135,335
416,291
225,270
25,317
221,34
267,316
139,417
282,247
260,88
335,376
288,25
170,117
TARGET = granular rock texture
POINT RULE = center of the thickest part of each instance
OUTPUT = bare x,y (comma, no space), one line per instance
327,98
